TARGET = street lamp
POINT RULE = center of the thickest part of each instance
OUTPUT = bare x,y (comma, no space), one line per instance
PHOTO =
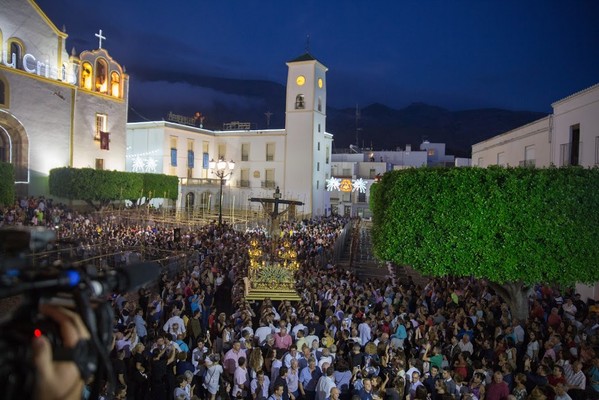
222,170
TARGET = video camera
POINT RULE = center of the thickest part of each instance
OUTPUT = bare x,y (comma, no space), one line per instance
72,285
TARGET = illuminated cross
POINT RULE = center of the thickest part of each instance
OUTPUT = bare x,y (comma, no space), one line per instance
100,37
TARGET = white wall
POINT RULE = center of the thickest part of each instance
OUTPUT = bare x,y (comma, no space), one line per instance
580,108
513,145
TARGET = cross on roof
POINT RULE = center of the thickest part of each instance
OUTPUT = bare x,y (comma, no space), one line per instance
100,37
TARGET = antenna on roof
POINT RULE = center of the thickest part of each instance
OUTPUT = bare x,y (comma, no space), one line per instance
358,129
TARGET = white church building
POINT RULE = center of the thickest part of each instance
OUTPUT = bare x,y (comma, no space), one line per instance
296,159
56,109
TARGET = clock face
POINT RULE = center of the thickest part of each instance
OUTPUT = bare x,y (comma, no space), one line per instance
320,83
300,80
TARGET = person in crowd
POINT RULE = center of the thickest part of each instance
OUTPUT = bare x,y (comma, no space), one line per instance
458,326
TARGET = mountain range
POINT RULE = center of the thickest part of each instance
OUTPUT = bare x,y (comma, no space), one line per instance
378,127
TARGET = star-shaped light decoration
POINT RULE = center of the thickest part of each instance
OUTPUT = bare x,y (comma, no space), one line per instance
359,185
333,184
151,164
138,164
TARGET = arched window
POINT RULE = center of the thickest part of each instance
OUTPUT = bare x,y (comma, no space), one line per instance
16,54
101,76
319,104
115,84
86,76
300,104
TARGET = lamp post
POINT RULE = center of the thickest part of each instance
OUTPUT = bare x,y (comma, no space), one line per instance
222,169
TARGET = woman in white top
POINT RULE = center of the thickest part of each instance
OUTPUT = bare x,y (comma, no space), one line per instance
532,348
212,378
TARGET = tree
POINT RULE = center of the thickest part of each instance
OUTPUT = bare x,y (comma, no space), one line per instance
160,186
514,227
96,187
7,186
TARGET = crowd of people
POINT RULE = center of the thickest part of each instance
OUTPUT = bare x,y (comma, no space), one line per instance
195,335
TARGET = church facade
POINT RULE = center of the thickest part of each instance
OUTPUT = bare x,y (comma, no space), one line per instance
296,159
56,109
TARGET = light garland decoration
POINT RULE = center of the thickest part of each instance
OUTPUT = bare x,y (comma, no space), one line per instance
346,185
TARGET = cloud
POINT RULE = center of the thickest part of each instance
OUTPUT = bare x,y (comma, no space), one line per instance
177,95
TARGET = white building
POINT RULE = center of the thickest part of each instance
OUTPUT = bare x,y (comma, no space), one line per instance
352,174
56,109
568,136
295,159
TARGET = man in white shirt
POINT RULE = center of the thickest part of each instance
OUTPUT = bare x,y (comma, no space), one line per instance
297,327
575,378
177,321
261,333
325,384
198,358
325,359
364,332
411,370
259,386
466,345
290,355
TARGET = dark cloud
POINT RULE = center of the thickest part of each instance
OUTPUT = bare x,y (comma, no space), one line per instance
456,54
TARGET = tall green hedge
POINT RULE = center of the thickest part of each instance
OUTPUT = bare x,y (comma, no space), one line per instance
160,186
503,224
99,187
7,184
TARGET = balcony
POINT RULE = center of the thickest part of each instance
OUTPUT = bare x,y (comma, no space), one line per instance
268,184
198,181
569,154
243,183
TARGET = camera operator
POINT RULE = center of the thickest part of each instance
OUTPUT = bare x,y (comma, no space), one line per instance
59,379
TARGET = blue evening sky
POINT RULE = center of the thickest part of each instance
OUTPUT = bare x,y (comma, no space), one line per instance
458,54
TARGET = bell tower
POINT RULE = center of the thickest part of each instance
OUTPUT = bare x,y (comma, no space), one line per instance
307,149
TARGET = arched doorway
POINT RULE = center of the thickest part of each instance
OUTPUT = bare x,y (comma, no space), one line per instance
189,201
14,146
